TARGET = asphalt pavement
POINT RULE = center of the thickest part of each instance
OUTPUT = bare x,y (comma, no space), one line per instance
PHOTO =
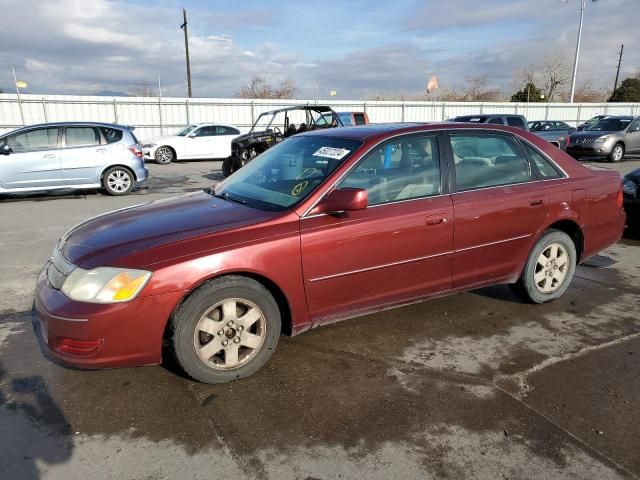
476,385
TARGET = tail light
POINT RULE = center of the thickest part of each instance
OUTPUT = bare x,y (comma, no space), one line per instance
136,150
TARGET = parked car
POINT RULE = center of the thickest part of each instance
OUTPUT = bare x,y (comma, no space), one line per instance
325,226
71,155
553,131
631,190
270,128
518,121
197,141
611,137
591,122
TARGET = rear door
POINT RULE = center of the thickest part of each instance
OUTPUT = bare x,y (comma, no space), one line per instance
397,249
632,139
83,155
35,160
498,203
224,136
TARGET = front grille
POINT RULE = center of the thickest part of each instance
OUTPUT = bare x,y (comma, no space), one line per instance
585,140
58,270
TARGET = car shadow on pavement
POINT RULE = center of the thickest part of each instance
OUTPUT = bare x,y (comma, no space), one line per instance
34,428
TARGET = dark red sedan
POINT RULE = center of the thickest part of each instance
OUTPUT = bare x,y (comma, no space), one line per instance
325,226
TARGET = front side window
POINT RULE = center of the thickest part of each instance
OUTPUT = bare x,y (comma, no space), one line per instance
208,131
345,118
227,131
81,137
496,121
39,139
287,173
398,171
486,160
183,132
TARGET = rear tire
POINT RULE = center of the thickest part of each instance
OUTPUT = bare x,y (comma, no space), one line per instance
617,153
118,181
165,155
549,268
225,330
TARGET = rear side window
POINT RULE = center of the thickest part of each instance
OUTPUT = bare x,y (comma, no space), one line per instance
39,139
484,160
81,137
545,168
515,122
227,131
111,135
360,119
496,121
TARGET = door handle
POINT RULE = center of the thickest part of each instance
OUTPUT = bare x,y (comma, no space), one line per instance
101,149
50,155
536,202
436,220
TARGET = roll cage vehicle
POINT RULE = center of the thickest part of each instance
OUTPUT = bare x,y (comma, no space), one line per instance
272,127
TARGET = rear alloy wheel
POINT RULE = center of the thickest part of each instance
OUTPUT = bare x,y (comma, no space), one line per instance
165,155
616,153
549,269
118,181
226,330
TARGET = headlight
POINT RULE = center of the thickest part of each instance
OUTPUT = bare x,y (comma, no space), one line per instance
105,284
629,187
602,139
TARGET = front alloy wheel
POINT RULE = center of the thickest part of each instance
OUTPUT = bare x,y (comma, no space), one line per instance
225,330
616,153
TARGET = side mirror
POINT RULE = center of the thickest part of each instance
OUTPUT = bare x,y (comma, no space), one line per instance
192,135
5,149
572,130
343,200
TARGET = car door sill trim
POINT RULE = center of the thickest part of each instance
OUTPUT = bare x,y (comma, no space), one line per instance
520,237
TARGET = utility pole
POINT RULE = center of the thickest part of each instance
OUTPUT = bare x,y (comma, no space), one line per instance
615,84
583,4
186,49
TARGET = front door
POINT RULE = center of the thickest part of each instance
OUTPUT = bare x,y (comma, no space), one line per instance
633,136
34,162
396,250
498,207
203,143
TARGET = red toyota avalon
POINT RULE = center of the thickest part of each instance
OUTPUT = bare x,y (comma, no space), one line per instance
324,226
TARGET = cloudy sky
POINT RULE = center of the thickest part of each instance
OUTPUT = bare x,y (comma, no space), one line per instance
358,47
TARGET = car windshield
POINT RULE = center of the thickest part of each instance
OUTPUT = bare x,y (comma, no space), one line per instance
287,173
610,125
183,132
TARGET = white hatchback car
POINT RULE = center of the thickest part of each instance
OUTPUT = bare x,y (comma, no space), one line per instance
203,140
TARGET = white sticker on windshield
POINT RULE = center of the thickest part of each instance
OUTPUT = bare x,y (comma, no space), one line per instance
332,152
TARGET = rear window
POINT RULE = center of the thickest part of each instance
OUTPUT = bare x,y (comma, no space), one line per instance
515,122
111,135
545,168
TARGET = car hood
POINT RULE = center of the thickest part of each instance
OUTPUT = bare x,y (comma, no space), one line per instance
591,134
107,239
633,175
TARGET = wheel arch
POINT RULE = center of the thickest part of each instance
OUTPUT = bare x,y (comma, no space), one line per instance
273,288
573,230
126,167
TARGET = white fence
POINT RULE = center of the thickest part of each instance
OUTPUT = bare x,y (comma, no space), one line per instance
152,116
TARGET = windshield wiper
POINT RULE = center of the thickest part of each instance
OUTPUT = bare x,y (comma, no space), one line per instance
224,196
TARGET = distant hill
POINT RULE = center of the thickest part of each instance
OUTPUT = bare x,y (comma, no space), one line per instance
108,93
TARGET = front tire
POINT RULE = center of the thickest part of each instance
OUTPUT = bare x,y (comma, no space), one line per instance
617,153
118,181
549,268
228,165
165,155
225,330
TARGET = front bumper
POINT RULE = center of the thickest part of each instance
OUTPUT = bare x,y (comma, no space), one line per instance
113,335
591,150
149,153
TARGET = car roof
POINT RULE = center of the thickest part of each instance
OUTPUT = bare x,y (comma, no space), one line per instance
373,130
68,124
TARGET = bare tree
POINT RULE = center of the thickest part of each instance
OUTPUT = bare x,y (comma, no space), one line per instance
556,74
477,90
259,88
587,93
144,90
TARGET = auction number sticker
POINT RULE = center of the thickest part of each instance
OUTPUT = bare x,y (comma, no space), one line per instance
332,152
